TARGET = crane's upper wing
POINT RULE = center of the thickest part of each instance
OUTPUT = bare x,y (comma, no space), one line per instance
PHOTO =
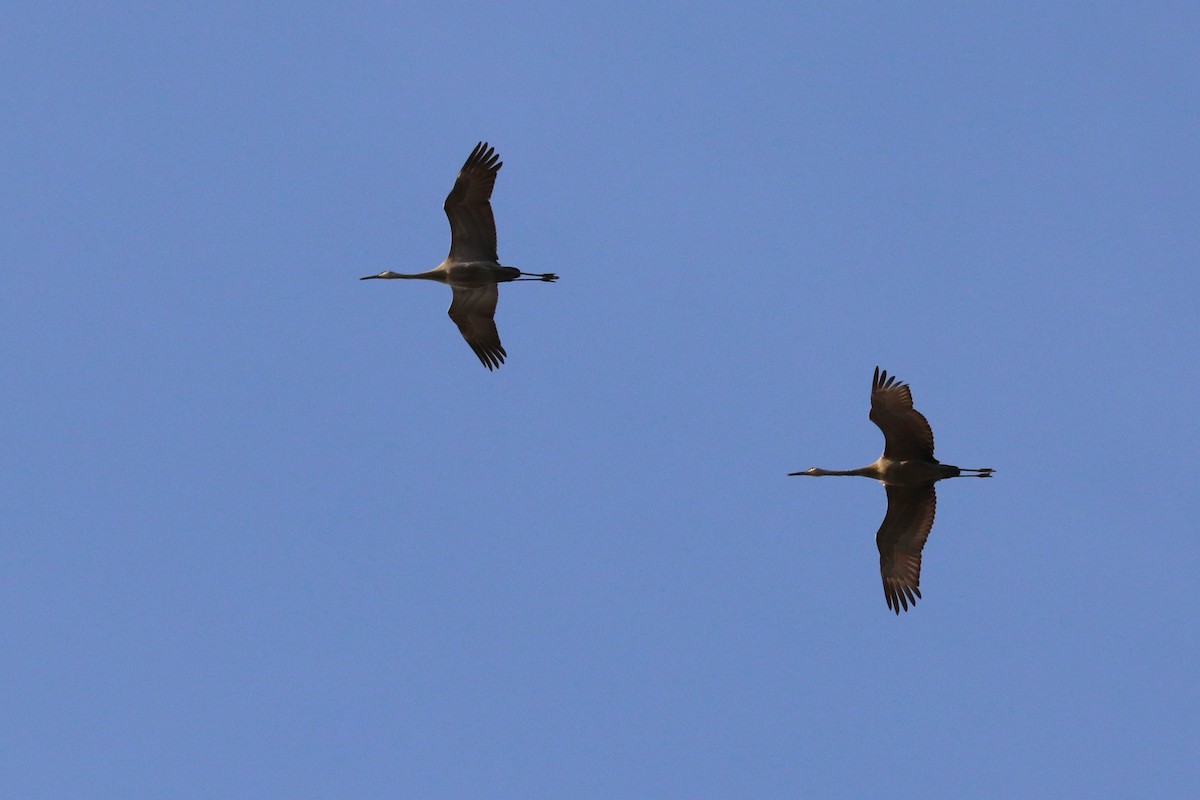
906,432
472,226
901,538
473,311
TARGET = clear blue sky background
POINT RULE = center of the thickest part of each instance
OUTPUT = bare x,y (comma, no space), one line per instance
269,531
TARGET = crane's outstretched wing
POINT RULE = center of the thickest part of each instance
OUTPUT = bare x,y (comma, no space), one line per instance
906,432
472,226
474,311
901,538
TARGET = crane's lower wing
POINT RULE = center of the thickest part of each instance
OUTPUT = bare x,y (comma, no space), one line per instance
901,538
473,311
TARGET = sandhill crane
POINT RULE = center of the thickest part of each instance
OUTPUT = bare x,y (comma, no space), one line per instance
908,471
472,269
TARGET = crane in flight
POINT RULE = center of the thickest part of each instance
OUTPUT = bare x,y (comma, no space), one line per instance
908,471
472,269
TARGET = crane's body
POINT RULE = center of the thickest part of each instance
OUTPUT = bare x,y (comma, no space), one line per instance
893,472
908,472
468,274
472,269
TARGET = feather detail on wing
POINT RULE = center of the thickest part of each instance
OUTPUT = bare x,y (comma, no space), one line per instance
906,432
468,207
901,538
473,311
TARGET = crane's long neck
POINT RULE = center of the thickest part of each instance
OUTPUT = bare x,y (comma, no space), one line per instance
870,471
431,275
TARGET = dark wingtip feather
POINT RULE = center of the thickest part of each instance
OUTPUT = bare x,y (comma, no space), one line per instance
490,359
484,155
900,597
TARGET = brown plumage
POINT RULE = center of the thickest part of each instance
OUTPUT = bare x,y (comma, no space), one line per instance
472,268
908,472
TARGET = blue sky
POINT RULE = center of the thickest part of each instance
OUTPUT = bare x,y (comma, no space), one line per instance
270,531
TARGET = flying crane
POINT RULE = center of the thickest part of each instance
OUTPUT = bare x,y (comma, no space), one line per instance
908,471
472,269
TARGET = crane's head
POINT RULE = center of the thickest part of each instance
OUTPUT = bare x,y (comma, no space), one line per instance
812,472
385,274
